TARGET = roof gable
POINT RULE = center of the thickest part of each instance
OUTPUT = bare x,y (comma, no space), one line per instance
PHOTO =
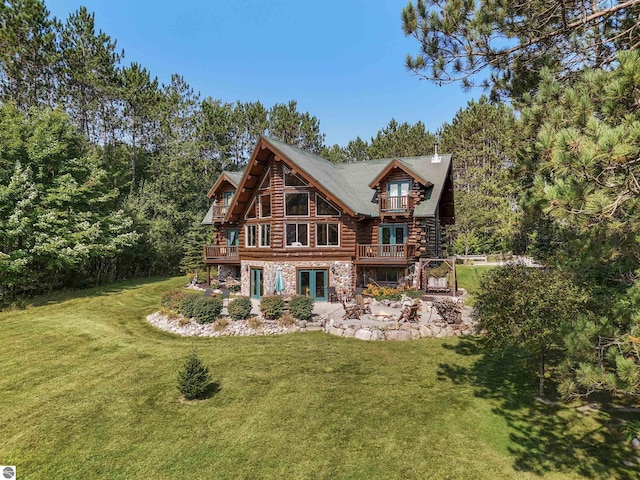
231,177
393,164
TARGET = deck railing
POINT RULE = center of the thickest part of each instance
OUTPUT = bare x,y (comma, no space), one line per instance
400,251
395,204
219,251
218,211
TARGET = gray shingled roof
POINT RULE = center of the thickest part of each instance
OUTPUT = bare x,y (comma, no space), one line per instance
233,176
349,182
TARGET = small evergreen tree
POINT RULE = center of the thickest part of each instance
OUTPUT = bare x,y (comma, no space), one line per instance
193,379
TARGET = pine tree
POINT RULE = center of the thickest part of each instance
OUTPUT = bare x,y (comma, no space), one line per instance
193,379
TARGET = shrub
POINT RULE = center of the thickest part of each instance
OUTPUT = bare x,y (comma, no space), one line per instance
170,314
301,307
234,287
240,308
220,324
413,293
214,284
207,309
172,298
188,304
286,320
255,323
272,306
193,379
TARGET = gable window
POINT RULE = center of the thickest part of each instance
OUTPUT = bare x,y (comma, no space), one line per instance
265,235
251,232
251,211
324,208
265,206
266,182
296,204
292,180
327,234
297,234
226,198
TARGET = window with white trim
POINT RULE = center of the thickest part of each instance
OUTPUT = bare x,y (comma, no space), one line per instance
251,235
297,234
324,208
296,204
292,180
266,181
265,235
265,206
327,234
251,211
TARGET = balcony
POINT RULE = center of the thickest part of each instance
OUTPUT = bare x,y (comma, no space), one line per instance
218,212
395,206
385,254
220,254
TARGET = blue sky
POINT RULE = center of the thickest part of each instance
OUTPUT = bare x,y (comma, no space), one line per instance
341,61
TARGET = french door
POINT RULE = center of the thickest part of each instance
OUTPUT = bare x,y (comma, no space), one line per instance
256,284
392,238
313,282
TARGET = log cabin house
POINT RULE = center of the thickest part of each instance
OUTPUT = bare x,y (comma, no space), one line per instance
325,224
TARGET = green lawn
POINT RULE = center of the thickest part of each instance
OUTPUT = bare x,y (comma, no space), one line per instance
89,391
468,277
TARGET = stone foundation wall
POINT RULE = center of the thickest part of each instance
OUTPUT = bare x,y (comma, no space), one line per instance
225,271
403,331
341,275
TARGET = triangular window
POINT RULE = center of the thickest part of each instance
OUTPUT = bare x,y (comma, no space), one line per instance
292,180
324,208
266,181
251,211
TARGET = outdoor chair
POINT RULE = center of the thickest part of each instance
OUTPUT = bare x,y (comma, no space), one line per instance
332,295
351,310
363,303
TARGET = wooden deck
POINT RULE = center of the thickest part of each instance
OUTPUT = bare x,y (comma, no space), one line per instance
378,254
219,254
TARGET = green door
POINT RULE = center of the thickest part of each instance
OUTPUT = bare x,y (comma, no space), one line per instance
392,239
313,282
256,286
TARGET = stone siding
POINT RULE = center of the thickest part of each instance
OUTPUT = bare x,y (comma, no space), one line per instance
341,274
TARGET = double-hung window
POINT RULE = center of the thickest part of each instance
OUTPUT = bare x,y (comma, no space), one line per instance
327,234
251,235
265,235
297,234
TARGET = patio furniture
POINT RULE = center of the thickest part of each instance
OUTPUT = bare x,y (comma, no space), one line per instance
332,295
363,303
351,310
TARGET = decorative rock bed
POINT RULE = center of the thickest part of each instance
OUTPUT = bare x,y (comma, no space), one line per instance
238,328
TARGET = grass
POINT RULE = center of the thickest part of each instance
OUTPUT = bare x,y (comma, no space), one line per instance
468,277
89,391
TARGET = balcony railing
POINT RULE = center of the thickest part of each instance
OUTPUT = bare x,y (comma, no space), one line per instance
392,205
218,211
378,252
216,252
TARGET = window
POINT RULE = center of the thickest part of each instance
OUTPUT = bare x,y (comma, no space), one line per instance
297,234
265,206
297,204
324,208
292,180
265,235
226,198
251,211
266,182
252,235
388,274
327,234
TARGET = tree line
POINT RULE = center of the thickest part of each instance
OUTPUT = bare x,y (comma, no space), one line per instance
104,170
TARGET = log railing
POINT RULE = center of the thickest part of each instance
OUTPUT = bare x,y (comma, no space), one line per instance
395,204
219,251
400,251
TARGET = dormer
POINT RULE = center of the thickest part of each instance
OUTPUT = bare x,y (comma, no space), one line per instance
221,195
398,189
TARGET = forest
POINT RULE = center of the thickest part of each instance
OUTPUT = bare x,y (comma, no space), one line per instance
104,171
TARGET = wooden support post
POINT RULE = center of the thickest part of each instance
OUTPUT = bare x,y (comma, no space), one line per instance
454,280
209,275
